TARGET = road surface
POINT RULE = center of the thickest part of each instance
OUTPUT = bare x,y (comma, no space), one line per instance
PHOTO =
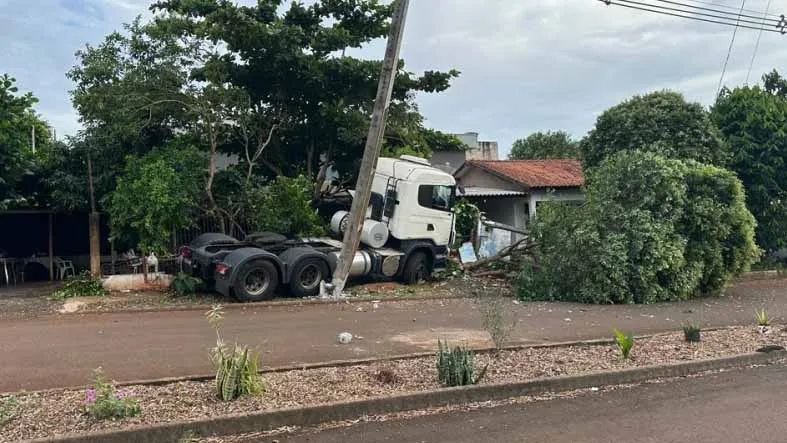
731,407
62,350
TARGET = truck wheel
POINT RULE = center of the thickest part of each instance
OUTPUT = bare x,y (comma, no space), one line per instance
416,269
306,278
257,281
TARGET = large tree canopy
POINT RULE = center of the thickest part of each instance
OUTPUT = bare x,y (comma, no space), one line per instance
545,145
754,122
652,229
662,122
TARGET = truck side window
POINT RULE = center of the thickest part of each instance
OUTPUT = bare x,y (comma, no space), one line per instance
436,197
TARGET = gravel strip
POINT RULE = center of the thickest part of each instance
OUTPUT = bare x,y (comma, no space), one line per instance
52,413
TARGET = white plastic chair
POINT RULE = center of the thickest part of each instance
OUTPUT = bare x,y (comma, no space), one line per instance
64,267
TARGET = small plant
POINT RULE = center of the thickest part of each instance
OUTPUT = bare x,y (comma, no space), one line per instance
691,332
236,367
762,318
386,375
185,284
456,367
625,342
8,409
80,285
103,401
492,310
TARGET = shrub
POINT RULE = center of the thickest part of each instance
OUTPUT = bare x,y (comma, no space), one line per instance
103,401
625,342
692,332
80,285
493,312
185,284
237,371
8,409
284,206
652,229
456,367
467,215
762,318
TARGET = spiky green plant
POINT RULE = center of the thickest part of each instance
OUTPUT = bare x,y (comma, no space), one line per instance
456,367
625,342
762,318
237,371
692,332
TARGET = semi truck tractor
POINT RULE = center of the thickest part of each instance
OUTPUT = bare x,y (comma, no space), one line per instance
406,233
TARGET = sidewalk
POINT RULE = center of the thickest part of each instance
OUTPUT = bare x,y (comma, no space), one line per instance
60,351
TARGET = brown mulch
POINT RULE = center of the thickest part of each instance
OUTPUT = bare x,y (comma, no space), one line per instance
58,412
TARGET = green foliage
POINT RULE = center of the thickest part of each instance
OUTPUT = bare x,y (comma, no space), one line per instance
754,122
625,343
467,215
284,206
660,122
154,196
237,371
762,318
652,229
103,401
545,145
9,408
692,332
456,367
185,284
80,285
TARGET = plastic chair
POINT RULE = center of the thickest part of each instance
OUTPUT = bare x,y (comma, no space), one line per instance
64,267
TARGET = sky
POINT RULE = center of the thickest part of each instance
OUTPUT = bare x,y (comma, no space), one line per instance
526,65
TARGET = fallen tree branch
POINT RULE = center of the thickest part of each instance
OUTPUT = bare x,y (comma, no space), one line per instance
519,246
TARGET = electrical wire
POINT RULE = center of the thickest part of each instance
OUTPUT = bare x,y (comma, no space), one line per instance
760,18
728,17
756,45
729,51
690,17
725,6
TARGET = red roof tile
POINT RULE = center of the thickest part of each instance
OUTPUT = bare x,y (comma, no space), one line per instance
535,173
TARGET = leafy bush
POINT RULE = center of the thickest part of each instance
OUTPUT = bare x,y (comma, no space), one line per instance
467,215
652,229
762,318
284,206
185,284
103,401
8,409
625,342
236,367
456,367
692,332
80,285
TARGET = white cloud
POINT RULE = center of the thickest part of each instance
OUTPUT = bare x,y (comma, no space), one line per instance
526,65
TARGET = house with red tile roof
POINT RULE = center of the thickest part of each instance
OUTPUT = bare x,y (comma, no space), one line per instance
510,191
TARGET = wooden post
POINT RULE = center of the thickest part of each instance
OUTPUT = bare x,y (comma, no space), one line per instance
363,188
51,248
95,247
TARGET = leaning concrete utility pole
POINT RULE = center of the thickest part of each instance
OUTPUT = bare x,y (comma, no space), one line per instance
363,188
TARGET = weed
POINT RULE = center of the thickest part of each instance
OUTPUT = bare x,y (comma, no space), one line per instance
8,409
456,367
762,318
493,312
691,332
80,285
103,401
386,375
625,342
185,284
237,371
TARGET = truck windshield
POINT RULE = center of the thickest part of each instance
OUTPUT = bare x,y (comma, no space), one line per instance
438,197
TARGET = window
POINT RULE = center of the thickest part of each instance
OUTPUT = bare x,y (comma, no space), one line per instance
436,197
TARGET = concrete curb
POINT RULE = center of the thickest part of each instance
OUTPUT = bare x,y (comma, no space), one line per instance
313,415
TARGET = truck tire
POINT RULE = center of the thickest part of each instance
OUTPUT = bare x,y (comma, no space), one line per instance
416,269
257,281
307,275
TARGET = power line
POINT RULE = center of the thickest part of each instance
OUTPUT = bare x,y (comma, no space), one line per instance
729,51
759,19
734,8
727,16
690,17
756,45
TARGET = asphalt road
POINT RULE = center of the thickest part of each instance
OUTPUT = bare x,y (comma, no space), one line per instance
731,407
62,350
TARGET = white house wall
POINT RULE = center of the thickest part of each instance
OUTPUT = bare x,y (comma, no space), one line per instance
541,195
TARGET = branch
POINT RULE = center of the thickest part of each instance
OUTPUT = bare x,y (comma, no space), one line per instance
519,246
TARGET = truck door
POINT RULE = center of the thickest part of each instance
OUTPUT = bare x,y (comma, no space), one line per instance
433,218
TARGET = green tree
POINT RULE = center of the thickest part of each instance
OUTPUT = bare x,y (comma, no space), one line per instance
652,229
754,122
17,160
155,196
545,145
662,122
